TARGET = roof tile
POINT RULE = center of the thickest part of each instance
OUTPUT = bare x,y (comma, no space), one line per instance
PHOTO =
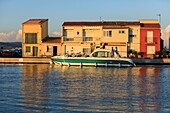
151,25
52,40
102,23
35,21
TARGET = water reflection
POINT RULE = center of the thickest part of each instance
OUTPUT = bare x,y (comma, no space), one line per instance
50,88
95,89
108,89
35,87
147,88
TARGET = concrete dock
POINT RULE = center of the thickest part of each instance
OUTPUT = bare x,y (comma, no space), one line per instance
25,60
143,61
137,61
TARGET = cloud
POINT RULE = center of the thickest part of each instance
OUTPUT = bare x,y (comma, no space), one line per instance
11,36
19,35
56,33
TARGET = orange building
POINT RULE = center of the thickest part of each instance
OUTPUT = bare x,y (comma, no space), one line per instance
84,37
35,39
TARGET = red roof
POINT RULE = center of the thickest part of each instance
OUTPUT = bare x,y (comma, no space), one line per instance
154,25
102,23
52,40
35,21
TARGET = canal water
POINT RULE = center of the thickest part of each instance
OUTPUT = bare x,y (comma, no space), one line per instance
44,88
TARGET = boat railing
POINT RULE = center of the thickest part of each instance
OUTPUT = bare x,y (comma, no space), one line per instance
79,54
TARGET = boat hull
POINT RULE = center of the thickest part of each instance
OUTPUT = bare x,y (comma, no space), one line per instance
88,61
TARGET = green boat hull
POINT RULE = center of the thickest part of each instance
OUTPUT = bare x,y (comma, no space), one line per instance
92,61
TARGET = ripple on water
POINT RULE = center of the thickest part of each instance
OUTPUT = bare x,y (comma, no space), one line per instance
49,88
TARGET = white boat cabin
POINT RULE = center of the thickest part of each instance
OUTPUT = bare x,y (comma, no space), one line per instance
104,53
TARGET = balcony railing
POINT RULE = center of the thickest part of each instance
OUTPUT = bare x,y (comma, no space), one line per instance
151,40
78,39
87,38
68,39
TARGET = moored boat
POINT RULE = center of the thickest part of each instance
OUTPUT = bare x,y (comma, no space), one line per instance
100,57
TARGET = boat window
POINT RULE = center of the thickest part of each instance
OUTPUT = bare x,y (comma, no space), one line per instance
101,54
95,54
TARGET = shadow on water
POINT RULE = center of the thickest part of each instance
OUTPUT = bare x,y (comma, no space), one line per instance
50,88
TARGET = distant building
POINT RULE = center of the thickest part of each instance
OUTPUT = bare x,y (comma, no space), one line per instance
35,40
167,34
162,44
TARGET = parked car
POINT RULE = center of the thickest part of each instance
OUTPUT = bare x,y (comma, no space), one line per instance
6,54
17,54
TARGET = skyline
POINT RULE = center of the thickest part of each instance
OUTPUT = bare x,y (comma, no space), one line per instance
14,13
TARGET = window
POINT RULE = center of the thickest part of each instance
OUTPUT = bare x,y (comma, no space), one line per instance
150,49
47,48
88,39
121,31
86,50
101,54
69,33
31,38
68,39
28,49
77,33
84,32
132,35
64,33
107,33
150,37
88,33
110,33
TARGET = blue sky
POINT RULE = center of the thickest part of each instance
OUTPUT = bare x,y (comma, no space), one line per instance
15,12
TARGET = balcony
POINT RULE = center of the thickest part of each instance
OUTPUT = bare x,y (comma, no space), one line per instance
87,38
78,39
151,40
72,39
68,39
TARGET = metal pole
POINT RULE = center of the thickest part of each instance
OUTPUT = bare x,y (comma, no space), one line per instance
159,19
